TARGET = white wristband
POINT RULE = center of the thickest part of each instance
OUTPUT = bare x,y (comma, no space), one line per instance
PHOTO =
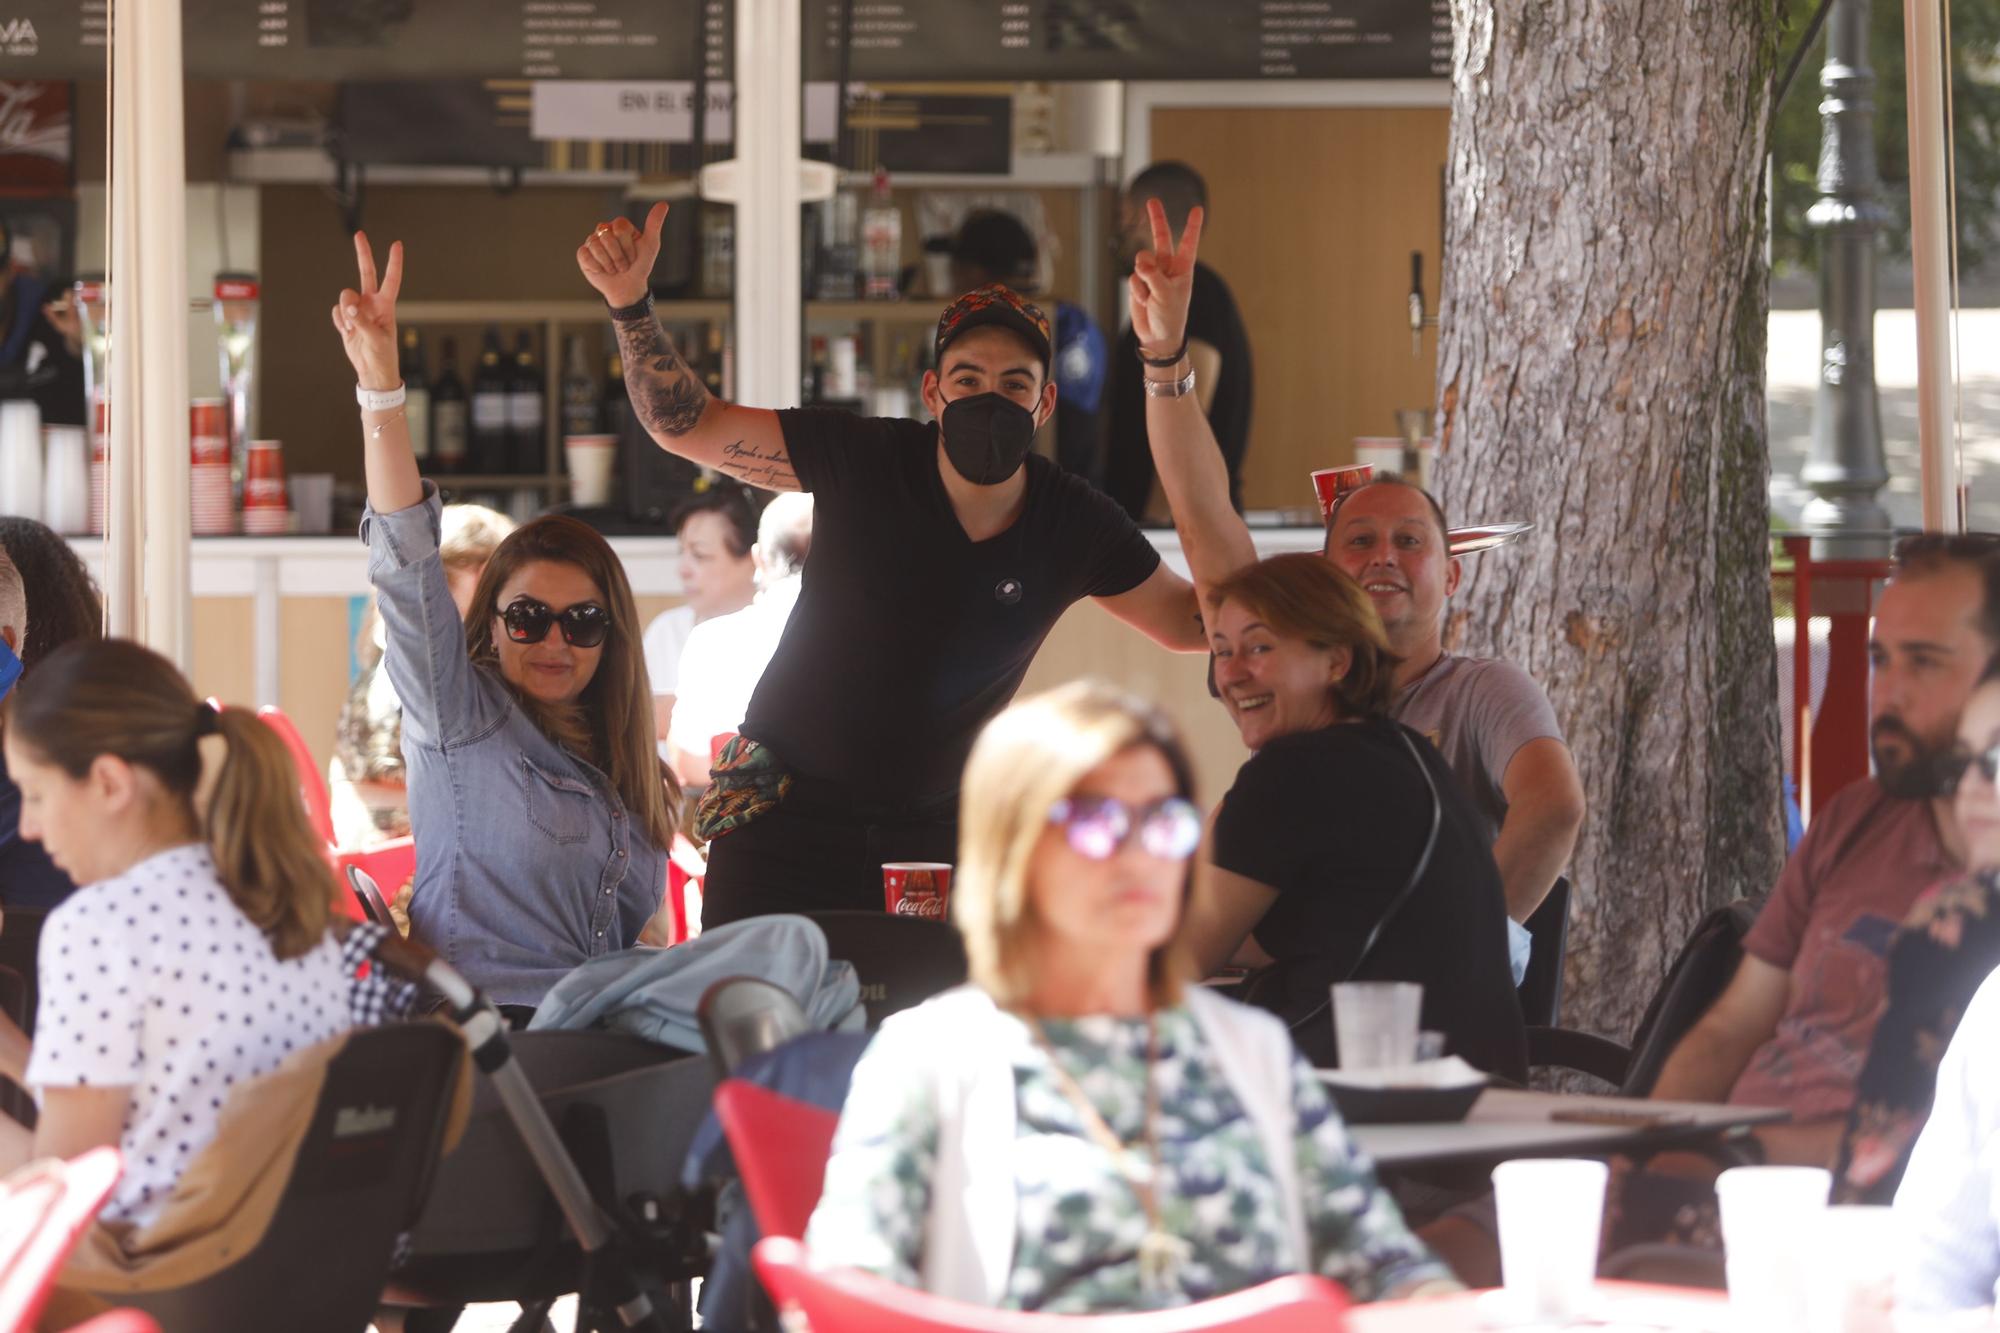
379,400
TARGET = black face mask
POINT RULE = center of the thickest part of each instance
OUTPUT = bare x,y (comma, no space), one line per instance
986,437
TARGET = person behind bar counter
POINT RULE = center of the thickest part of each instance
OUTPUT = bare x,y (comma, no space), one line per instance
541,811
942,556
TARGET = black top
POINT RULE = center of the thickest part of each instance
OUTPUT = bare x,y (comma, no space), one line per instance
908,635
1128,459
56,382
27,877
1335,821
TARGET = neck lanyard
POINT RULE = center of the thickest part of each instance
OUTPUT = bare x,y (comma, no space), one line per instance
1160,1253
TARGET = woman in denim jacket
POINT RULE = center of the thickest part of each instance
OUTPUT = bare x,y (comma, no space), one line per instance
541,811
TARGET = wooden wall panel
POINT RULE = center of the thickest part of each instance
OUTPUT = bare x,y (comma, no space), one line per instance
1315,212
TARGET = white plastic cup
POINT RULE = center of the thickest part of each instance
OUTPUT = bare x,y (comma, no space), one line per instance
21,458
1384,453
1551,1211
1849,1258
1375,1023
65,479
1766,1211
590,459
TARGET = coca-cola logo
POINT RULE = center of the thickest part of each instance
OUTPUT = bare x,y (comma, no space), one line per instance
927,905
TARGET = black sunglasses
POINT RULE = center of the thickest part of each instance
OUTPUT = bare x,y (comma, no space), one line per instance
583,625
1960,762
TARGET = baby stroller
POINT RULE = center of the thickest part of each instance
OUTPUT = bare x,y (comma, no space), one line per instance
567,1177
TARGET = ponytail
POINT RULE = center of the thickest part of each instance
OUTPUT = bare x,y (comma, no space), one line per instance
231,773
265,852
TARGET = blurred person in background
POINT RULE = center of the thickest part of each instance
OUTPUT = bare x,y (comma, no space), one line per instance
716,530
41,341
1084,1128
62,606
991,247
1217,346
725,657
366,780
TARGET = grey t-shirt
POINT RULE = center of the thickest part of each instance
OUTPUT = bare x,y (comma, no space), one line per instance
1478,711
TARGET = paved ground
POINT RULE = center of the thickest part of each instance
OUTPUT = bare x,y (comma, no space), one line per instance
1794,365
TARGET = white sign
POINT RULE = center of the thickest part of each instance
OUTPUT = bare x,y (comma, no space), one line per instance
618,111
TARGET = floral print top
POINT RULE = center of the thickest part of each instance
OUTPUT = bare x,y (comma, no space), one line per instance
1080,1222
1944,949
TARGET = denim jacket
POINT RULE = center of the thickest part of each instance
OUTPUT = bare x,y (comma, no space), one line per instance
528,863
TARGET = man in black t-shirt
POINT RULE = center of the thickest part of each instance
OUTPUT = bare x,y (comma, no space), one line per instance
942,556
1218,347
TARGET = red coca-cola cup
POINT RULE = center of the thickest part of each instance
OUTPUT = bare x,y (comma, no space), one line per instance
916,888
1330,483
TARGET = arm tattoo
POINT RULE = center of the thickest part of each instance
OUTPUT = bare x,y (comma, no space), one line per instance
769,469
667,396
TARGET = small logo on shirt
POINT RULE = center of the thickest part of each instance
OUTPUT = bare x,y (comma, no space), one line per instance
351,1122
1007,591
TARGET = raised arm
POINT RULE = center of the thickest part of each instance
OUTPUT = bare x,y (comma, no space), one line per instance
366,322
1185,454
668,398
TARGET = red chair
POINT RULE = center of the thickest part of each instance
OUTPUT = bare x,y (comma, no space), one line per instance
844,1301
390,864
43,1213
781,1145
312,787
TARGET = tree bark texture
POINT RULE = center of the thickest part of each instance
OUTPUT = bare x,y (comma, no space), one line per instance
1601,371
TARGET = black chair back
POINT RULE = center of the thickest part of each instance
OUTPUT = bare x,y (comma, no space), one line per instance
369,894
1704,968
360,1178
742,1016
901,960
1541,990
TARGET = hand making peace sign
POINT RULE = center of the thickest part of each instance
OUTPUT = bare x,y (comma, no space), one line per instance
618,258
1162,284
366,320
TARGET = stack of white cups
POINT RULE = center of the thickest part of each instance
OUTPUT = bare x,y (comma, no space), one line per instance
21,458
65,480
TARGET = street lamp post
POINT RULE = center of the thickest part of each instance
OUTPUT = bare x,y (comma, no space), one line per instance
1845,467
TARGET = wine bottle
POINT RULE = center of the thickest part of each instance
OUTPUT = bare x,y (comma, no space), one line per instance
526,407
490,443
579,392
449,420
615,409
416,396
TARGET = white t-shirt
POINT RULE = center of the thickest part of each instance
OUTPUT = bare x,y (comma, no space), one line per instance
721,664
665,638
155,981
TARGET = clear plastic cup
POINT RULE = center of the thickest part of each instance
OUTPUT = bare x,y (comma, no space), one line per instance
591,460
1766,1210
1550,1213
1375,1023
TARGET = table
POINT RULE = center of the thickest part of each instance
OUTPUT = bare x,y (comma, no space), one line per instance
1636,1306
1508,1123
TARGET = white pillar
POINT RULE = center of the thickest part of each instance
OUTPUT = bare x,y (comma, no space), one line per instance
1924,51
768,197
149,413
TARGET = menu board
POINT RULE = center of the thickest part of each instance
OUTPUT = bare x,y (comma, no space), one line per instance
1130,39
391,39
888,40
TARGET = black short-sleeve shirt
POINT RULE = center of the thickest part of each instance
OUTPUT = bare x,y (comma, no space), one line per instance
908,635
1335,820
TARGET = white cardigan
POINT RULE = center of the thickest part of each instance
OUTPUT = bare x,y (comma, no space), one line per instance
964,1046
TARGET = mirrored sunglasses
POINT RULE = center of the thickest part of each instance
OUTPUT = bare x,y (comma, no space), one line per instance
1097,826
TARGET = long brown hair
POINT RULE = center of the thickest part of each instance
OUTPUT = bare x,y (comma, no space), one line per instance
114,697
611,724
1028,758
1304,596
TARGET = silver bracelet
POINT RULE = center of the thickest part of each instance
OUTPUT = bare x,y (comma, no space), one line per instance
1179,388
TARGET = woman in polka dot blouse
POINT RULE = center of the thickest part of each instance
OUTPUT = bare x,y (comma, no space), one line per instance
197,955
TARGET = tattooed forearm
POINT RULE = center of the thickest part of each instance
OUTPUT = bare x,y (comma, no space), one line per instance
770,469
668,397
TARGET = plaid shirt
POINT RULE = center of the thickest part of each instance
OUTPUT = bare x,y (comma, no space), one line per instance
374,995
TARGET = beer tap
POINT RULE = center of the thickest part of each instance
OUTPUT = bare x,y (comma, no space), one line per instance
1418,320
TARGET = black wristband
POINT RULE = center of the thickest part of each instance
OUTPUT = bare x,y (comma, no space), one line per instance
638,309
1164,363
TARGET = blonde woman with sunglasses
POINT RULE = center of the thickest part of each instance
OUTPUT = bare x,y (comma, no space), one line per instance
541,811
1082,1128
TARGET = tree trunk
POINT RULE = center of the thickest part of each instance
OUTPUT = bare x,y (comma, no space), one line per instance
1601,371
